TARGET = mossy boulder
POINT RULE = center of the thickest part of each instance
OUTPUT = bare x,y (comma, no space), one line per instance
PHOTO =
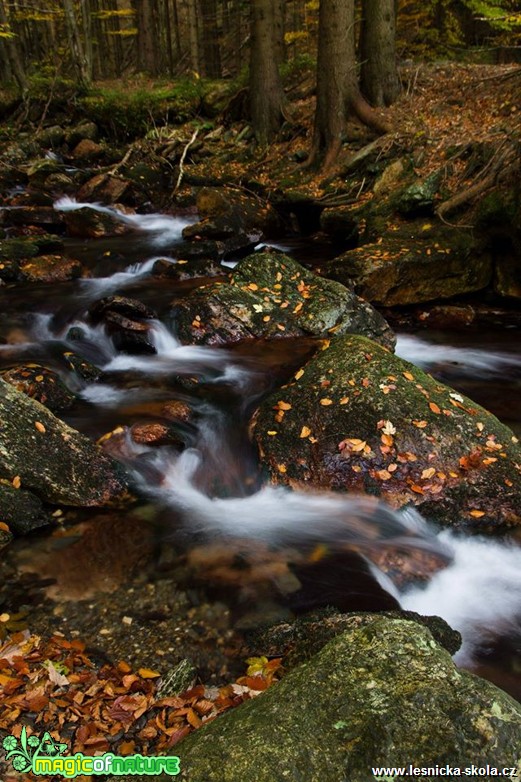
42,384
232,205
357,418
271,295
417,263
381,694
40,453
50,268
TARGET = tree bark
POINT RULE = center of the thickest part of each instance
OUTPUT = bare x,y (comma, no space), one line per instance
13,53
79,58
266,93
338,93
380,81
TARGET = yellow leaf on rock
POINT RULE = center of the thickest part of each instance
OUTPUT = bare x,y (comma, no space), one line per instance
325,402
299,374
40,427
284,405
147,673
428,473
17,482
282,468
477,513
305,432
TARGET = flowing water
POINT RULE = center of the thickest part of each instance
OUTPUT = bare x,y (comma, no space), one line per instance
213,489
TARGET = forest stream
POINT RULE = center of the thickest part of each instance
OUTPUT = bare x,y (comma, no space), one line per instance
212,490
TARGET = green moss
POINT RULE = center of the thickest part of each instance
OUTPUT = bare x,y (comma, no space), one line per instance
124,114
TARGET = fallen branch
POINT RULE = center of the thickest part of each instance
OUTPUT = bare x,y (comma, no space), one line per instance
183,158
122,162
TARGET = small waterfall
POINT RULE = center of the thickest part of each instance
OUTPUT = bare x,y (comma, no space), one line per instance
473,361
163,229
479,593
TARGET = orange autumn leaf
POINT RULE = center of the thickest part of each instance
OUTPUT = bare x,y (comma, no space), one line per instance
434,407
325,402
305,432
408,375
283,405
477,514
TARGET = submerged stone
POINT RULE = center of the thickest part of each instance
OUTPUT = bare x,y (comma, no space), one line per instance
357,418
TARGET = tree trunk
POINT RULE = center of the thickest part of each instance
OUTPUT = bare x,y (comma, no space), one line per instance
338,94
146,38
12,51
195,55
212,33
79,58
266,94
380,82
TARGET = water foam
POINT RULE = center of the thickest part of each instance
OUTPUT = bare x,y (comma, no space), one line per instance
479,593
163,229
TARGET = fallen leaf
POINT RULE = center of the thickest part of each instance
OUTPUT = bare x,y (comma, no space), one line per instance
325,402
305,432
428,473
477,514
434,407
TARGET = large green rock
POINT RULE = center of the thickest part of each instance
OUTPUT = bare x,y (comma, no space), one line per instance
271,295
381,694
357,418
419,262
41,453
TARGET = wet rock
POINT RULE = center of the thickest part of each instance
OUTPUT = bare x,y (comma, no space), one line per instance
352,707
53,136
87,223
507,277
104,188
40,453
83,130
127,322
419,198
357,418
87,151
188,270
39,171
449,316
41,384
420,263
59,183
84,369
271,295
198,250
44,216
300,640
130,308
50,268
21,510
232,205
155,434
339,223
